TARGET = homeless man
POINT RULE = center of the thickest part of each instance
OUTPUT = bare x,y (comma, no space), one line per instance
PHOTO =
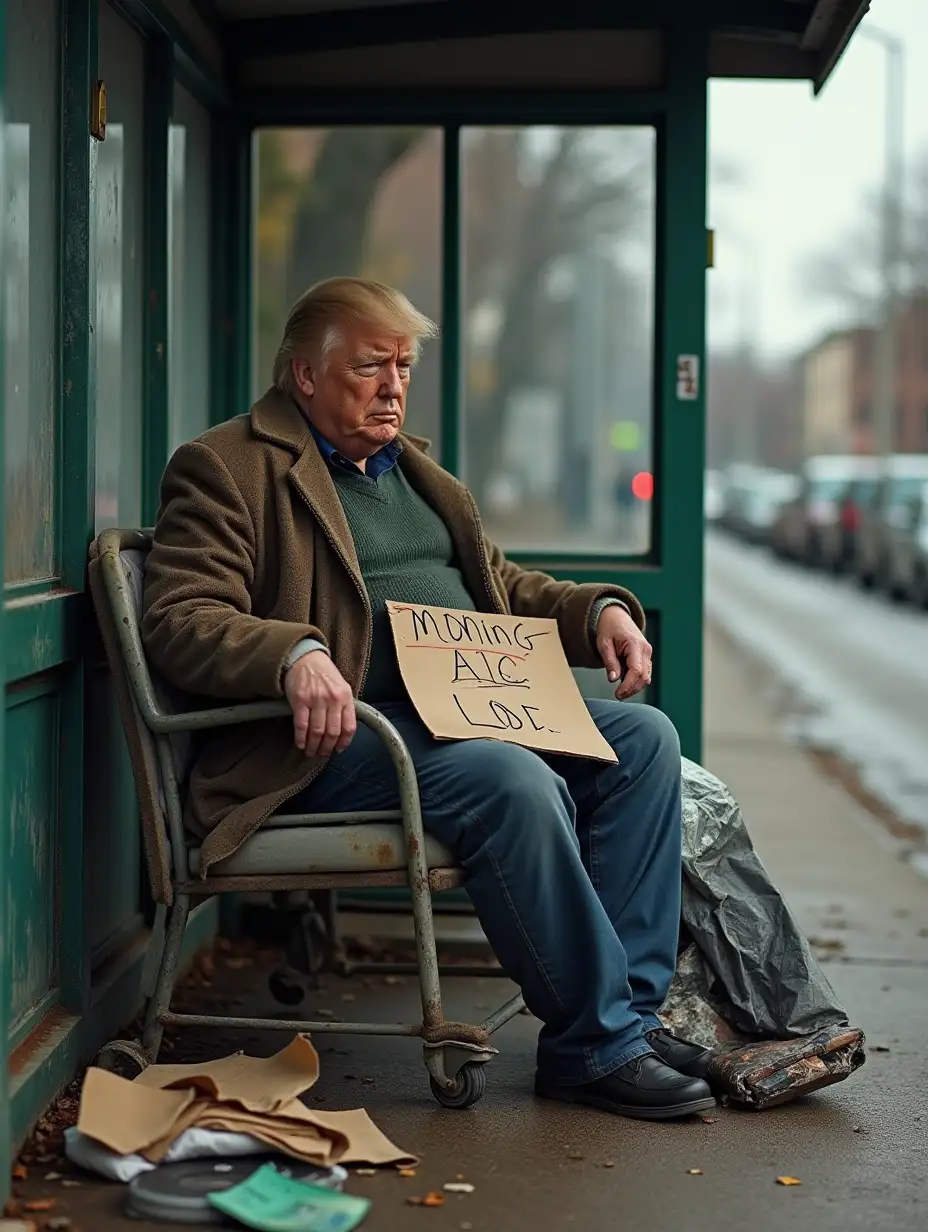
281,536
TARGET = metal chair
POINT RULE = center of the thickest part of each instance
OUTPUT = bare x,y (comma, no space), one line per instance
289,853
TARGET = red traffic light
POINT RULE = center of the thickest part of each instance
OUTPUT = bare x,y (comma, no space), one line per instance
643,486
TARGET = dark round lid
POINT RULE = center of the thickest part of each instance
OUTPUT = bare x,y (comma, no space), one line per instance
177,1193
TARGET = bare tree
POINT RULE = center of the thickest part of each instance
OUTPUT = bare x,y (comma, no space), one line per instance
849,274
527,213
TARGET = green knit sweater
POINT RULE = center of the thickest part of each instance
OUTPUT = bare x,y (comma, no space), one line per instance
406,554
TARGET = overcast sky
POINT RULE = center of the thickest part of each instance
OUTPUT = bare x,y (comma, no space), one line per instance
804,164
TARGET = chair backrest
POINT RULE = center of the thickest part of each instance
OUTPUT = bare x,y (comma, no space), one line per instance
117,575
170,699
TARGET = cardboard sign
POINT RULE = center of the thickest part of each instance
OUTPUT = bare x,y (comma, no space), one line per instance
476,676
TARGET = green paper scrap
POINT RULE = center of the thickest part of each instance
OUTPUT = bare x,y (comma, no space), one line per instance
274,1203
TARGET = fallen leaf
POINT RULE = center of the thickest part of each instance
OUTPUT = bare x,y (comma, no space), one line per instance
20,1172
458,1187
40,1204
694,1172
706,1120
406,1171
788,1180
433,1199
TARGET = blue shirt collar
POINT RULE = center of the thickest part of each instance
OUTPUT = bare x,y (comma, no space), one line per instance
378,464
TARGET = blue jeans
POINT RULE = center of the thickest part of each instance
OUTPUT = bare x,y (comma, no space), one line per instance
574,867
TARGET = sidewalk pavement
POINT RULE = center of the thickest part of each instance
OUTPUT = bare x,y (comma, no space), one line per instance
859,1148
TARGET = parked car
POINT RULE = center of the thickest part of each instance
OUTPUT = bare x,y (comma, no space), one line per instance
887,517
737,481
769,493
807,529
905,573
839,538
911,560
713,497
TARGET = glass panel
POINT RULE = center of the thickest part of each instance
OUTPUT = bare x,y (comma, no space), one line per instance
189,283
559,249
349,201
120,249
30,266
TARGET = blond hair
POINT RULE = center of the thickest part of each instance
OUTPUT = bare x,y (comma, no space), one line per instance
314,320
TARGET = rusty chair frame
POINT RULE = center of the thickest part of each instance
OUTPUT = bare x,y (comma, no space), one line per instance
156,723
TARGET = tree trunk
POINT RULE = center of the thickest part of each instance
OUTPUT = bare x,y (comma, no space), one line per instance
331,219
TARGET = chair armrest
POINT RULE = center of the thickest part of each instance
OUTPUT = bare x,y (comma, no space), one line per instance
247,712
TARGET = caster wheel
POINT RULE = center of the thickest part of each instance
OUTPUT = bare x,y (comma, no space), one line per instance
470,1083
127,1058
286,987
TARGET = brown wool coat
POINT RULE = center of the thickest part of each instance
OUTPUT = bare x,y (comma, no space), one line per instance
252,553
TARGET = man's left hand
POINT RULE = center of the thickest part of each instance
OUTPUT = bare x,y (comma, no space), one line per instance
624,650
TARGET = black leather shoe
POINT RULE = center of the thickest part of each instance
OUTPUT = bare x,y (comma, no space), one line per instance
686,1058
644,1088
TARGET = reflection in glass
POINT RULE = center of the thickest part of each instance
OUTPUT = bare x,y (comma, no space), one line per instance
558,231
30,271
189,280
119,253
349,201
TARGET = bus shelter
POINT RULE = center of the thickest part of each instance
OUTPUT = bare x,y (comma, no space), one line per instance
175,172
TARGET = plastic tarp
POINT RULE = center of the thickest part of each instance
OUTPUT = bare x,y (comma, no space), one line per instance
749,972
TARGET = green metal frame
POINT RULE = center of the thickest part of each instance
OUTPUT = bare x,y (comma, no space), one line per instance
668,580
43,647
6,1144
159,102
42,631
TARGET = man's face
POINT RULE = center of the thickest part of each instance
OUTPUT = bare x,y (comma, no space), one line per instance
356,395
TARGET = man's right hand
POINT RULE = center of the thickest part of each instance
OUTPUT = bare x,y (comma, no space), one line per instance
322,705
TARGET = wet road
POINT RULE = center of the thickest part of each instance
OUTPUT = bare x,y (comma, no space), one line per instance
856,664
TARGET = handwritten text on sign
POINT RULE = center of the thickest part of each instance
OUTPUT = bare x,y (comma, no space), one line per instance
472,675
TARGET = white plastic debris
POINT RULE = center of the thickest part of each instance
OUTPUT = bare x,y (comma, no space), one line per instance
191,1144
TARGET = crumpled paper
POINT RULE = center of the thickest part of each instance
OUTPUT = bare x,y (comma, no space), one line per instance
254,1096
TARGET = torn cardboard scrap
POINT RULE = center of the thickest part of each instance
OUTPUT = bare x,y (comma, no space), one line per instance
247,1095
477,676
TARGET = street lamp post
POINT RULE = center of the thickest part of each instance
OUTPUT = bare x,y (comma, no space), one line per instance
891,237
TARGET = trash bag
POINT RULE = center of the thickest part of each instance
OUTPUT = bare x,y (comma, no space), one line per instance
752,966
747,983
